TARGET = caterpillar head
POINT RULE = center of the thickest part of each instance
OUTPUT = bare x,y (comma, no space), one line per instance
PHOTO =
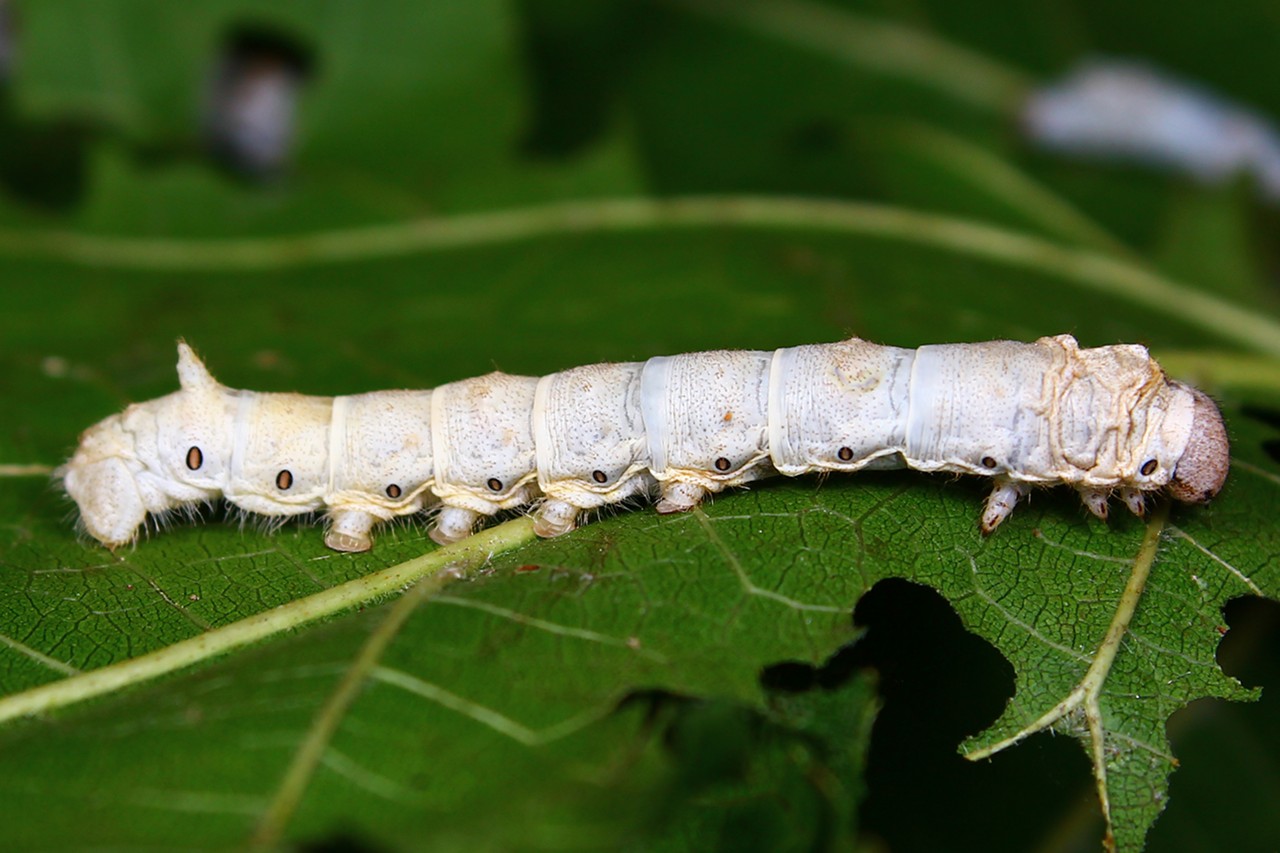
100,479
1202,468
133,464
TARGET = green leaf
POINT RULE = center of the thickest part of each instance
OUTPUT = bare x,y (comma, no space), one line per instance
412,109
516,663
220,685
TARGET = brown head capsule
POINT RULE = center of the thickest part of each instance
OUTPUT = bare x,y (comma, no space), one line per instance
1202,468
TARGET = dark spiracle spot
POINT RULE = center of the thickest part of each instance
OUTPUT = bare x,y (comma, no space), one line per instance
284,480
494,484
723,464
1149,467
845,454
600,477
195,459
393,491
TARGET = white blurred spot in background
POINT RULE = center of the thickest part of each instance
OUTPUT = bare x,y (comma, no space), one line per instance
1122,110
252,105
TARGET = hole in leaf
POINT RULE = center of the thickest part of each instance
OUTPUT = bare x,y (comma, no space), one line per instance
1224,788
939,684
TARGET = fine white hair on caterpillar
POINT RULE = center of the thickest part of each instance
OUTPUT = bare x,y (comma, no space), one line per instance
676,428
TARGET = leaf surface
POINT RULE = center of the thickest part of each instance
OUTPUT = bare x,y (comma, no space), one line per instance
625,683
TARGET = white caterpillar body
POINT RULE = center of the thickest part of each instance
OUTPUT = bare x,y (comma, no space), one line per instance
679,427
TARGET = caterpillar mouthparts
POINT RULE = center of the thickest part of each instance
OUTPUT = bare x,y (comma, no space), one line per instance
677,428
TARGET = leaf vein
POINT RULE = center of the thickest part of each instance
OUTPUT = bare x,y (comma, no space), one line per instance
1239,575
748,585
550,627
39,657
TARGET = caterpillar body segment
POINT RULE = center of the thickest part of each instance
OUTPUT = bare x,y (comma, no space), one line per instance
588,420
677,428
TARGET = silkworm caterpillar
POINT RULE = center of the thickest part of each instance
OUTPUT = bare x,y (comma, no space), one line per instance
677,428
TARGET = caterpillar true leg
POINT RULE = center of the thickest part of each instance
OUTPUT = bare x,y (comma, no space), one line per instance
1004,497
1096,501
1134,500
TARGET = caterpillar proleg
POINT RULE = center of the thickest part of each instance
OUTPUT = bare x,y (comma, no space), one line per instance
677,428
